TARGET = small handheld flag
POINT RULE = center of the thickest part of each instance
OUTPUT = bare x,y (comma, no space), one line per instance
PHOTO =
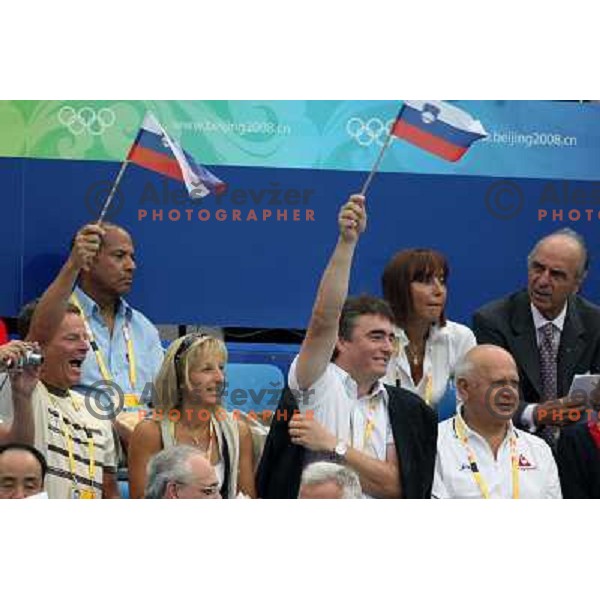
154,149
434,126
437,127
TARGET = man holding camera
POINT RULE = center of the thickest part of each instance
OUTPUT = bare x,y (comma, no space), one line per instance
78,446
22,382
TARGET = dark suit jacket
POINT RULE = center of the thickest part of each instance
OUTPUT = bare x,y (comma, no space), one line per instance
508,323
414,427
578,460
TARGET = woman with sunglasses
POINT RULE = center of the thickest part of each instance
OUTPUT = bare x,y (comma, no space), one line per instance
428,345
187,410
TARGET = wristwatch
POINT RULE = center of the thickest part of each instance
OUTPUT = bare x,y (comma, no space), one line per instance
340,450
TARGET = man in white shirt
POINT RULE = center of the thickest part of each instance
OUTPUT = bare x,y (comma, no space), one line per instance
386,436
551,332
480,453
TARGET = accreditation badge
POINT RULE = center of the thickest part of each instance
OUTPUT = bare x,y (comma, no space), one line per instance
87,495
132,400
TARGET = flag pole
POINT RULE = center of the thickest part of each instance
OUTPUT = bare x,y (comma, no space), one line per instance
112,191
367,182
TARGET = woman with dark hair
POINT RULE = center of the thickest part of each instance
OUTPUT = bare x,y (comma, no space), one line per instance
428,345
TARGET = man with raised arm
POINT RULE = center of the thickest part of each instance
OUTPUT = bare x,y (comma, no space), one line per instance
386,435
125,345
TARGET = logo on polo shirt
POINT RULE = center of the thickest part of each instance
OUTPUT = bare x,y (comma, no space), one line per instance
524,464
464,467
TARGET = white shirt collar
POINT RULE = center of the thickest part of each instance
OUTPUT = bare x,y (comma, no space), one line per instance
472,433
352,387
539,320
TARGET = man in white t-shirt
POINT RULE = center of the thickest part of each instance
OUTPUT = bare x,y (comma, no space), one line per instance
480,453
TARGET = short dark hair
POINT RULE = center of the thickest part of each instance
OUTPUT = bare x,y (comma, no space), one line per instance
26,314
356,306
413,264
27,448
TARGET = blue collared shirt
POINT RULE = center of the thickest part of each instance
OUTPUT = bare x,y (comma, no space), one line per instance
147,348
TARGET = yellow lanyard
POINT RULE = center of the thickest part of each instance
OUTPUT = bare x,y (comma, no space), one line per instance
370,423
428,389
69,446
514,461
99,358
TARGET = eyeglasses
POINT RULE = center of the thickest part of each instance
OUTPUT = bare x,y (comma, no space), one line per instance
205,491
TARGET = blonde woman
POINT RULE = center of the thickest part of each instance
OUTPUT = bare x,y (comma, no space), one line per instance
187,410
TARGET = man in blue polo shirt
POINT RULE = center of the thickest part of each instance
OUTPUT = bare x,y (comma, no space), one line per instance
125,345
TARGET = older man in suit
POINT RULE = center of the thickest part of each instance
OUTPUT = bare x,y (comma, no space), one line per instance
551,332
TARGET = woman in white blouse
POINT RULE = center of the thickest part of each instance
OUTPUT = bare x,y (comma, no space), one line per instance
428,345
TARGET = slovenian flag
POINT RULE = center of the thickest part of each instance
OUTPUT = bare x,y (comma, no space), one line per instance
153,149
438,127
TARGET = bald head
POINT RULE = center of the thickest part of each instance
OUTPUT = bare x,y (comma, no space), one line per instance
568,243
488,381
481,357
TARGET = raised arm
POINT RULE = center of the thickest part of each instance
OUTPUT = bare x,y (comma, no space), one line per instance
51,307
322,332
23,382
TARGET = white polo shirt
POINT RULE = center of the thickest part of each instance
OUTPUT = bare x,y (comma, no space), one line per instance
336,405
453,478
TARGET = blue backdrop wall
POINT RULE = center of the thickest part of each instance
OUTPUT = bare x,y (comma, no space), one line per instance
265,273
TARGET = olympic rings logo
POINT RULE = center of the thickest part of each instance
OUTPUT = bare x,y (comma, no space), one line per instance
367,132
86,119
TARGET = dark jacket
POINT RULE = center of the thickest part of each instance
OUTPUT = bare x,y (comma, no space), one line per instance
414,428
578,460
509,323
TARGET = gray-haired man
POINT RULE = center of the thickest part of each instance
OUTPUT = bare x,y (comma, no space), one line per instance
181,472
329,481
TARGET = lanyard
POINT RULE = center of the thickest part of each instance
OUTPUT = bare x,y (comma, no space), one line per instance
91,451
69,446
370,423
514,460
99,358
